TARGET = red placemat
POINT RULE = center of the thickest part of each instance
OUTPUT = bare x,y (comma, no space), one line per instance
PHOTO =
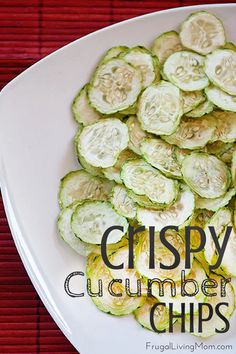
29,30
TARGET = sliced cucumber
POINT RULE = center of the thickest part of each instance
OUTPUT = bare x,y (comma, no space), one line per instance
206,175
219,221
227,155
115,86
178,214
198,274
121,256
192,99
80,185
193,133
225,126
220,67
162,156
217,203
81,109
122,202
160,108
118,306
161,315
216,322
166,44
143,179
113,173
233,169
91,219
204,108
202,32
143,201
101,143
220,98
64,228
136,134
143,60
185,70
162,255
114,52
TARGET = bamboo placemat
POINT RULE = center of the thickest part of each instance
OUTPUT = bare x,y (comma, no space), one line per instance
29,30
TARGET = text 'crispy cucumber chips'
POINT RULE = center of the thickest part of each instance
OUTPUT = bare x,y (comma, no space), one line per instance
156,139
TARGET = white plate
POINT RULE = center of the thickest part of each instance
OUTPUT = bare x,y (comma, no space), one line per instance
36,150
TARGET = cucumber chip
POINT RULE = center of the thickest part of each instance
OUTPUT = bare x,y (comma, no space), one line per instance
217,203
193,133
81,109
122,202
91,219
136,134
143,179
204,108
166,44
206,175
220,98
225,127
115,305
160,108
202,32
114,52
178,214
186,70
192,99
145,62
115,86
220,67
101,143
80,185
161,315
161,155
233,169
64,228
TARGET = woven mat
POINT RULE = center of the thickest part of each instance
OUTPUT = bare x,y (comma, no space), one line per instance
29,30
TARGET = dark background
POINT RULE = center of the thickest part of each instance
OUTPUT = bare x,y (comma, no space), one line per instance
29,30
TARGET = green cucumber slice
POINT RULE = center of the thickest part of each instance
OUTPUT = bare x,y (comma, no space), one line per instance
219,221
143,201
64,228
202,32
192,99
161,315
118,306
215,322
225,126
186,70
178,214
217,203
160,108
143,60
115,86
162,255
220,68
165,45
113,172
161,155
206,175
204,108
220,98
193,133
136,134
80,185
122,202
81,109
101,143
114,52
198,274
143,179
91,219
